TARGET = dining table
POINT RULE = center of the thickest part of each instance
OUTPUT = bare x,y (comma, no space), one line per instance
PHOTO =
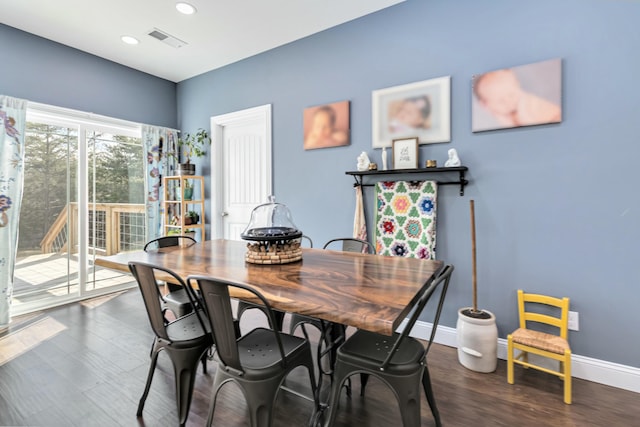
370,292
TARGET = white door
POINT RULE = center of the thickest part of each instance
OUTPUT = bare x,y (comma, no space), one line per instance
240,168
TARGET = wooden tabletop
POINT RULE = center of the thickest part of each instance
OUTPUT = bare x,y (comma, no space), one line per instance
368,292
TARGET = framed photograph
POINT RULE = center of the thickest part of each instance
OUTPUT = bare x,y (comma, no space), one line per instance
404,153
421,108
526,95
326,125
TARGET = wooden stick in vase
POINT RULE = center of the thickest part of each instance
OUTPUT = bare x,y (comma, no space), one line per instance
473,256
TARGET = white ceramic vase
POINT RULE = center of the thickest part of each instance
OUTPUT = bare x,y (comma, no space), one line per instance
477,341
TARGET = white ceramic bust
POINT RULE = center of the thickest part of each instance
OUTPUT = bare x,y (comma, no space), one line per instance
363,162
453,160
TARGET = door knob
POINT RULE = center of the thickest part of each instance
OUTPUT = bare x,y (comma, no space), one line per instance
224,214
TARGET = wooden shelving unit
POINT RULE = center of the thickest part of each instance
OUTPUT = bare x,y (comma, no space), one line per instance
178,202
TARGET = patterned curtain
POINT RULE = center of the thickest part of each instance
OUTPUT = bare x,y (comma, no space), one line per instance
406,218
157,142
13,114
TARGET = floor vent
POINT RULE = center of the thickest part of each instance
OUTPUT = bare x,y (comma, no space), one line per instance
166,38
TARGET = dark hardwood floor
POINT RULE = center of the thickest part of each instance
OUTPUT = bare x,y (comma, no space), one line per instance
86,365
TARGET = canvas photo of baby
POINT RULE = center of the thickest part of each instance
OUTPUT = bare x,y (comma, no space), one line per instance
326,125
526,95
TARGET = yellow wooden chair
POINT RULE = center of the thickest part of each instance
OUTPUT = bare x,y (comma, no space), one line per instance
543,344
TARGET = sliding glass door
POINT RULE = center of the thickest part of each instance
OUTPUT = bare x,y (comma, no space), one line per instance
47,261
116,211
83,197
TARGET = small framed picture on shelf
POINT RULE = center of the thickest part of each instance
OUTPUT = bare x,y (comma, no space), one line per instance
404,153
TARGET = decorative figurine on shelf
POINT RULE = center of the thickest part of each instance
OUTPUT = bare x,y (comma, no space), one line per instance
363,162
384,158
453,160
373,166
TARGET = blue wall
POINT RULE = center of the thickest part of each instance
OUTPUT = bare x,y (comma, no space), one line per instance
557,206
42,71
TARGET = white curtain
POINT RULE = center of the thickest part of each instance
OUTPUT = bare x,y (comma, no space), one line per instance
157,143
13,114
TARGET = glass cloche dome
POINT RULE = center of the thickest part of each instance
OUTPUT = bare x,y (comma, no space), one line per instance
271,222
275,238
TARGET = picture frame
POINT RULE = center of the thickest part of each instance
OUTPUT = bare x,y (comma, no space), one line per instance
421,109
326,126
404,153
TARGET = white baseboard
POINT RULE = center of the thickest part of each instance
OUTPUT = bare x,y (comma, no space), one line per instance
586,368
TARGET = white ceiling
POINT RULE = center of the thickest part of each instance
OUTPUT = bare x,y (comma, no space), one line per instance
220,33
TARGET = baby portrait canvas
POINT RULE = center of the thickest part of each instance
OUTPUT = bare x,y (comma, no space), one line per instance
526,95
326,125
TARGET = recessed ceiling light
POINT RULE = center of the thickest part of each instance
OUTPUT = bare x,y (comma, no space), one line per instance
129,40
185,8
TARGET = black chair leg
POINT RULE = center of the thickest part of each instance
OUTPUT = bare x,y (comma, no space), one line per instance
152,368
185,364
364,379
426,383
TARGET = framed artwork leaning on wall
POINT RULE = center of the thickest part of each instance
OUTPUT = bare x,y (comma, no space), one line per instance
404,153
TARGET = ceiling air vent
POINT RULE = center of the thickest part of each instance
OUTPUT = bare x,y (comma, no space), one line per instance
166,38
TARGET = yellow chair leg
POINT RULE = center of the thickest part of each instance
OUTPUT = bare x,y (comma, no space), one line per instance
509,360
567,377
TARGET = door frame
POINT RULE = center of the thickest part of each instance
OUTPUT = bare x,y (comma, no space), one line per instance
218,123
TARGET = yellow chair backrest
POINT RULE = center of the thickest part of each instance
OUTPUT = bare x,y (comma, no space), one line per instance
561,321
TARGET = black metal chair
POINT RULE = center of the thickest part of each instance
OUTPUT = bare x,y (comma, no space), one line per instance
351,244
186,339
332,334
279,315
176,300
258,361
400,361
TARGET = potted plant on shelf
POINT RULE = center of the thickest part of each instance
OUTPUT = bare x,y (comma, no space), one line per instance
191,145
476,330
191,218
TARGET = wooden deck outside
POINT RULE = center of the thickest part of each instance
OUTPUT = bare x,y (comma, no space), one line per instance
46,275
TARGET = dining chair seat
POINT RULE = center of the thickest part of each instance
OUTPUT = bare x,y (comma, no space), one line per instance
186,329
369,348
177,302
257,355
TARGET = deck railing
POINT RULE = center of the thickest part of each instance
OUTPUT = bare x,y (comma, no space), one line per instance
113,228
